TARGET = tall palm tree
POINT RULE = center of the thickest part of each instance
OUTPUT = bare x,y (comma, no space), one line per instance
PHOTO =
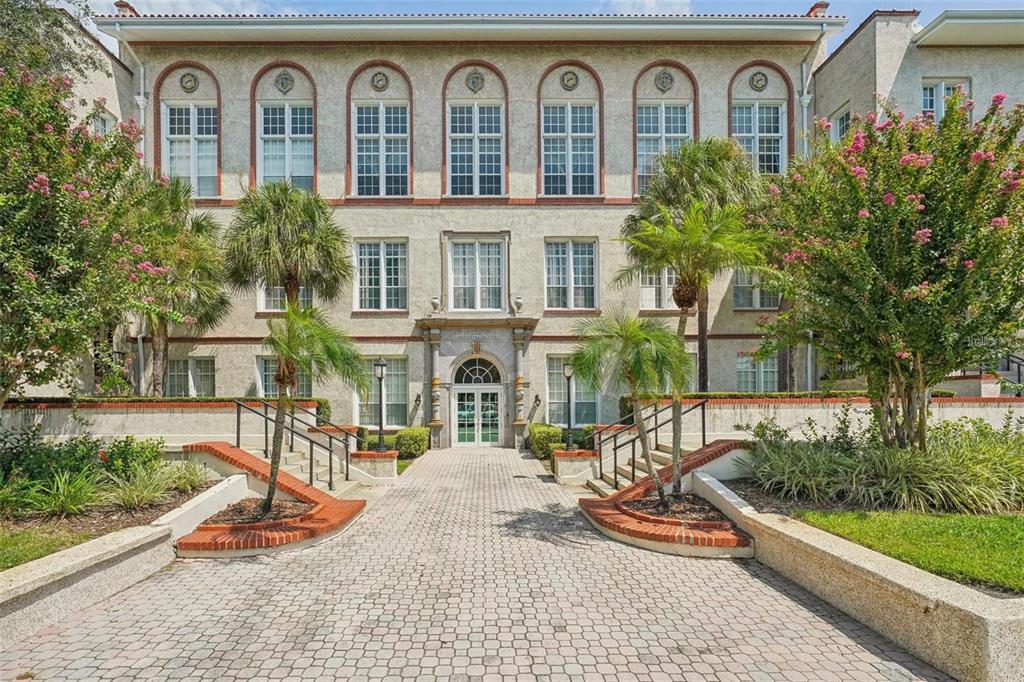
187,281
640,355
283,236
304,341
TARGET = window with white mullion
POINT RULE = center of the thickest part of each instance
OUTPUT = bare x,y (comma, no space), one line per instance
190,135
759,127
382,149
757,376
656,289
935,92
661,127
476,149
748,294
584,399
286,144
478,278
570,145
382,275
571,277
396,395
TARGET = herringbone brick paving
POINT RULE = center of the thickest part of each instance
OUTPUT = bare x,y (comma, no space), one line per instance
475,565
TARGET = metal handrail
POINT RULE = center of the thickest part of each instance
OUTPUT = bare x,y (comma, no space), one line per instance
354,435
265,415
614,436
1014,361
632,440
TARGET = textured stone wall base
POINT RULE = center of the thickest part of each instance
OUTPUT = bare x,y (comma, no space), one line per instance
574,467
375,467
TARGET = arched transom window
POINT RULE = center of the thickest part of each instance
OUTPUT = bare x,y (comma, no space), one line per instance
477,371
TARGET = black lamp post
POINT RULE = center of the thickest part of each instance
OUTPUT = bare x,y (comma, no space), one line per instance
567,372
380,370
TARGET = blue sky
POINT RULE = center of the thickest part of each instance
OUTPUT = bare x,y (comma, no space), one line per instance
854,10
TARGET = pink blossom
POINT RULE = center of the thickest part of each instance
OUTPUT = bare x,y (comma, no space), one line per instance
138,154
920,208
903,355
923,236
68,187
863,213
3,72
41,184
889,198
908,159
979,156
798,178
116,237
860,172
164,180
84,194
969,264
147,299
885,125
137,249
1000,221
969,104
824,124
857,145
48,127
772,189
189,320
31,275
794,256
871,118
132,277
84,222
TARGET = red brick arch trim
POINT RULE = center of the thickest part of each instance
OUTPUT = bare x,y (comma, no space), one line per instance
281,63
790,101
444,120
348,120
600,121
671,63
158,130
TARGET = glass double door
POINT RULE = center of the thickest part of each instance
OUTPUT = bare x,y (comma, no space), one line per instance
478,416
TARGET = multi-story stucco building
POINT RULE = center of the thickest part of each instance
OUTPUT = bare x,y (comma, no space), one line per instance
483,165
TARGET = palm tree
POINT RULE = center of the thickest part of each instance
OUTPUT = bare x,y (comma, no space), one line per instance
283,236
640,355
186,283
304,341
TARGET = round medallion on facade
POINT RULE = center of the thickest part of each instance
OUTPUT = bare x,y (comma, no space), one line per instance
284,82
475,81
758,81
379,81
570,80
189,82
664,81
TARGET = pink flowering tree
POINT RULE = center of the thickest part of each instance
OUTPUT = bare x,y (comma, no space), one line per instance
65,192
902,246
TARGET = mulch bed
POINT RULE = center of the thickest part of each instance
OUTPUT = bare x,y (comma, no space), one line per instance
768,503
683,507
250,510
103,519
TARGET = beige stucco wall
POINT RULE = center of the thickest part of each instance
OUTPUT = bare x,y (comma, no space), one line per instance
113,86
847,80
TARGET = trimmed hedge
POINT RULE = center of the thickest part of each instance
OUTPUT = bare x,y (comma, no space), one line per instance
625,408
545,439
412,442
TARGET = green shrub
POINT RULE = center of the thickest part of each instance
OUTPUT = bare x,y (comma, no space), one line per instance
545,439
121,455
66,493
189,476
362,437
412,442
15,496
583,437
142,485
323,411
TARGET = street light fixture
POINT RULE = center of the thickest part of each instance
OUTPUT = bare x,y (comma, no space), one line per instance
567,373
380,370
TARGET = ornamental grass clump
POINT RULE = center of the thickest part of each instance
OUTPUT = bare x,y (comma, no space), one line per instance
143,485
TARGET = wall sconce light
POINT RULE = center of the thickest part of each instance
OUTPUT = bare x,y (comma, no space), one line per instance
536,400
418,400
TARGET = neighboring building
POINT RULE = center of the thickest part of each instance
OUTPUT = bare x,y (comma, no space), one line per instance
483,165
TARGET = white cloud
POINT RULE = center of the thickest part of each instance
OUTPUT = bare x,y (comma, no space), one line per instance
646,6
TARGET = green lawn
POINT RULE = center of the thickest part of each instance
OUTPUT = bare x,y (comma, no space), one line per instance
978,550
403,464
20,546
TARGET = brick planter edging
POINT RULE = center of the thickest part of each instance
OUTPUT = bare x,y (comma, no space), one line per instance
611,514
374,454
574,454
329,514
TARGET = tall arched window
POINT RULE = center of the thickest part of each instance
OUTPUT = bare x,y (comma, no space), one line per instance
665,116
188,112
569,99
284,102
475,135
761,115
380,125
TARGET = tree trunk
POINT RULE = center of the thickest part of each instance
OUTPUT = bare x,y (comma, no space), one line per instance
283,399
903,410
677,421
159,365
702,341
645,450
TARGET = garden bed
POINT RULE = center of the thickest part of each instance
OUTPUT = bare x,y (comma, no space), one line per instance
684,508
250,510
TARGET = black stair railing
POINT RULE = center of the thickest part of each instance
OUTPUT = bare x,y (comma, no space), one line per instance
1015,365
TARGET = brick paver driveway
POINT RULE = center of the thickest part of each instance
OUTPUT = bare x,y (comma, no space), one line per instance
475,565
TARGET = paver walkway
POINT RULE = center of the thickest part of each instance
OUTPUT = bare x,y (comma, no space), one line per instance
475,565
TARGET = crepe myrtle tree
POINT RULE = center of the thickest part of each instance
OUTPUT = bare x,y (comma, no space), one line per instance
902,247
70,241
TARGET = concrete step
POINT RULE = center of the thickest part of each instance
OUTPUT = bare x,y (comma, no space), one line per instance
626,473
609,479
600,487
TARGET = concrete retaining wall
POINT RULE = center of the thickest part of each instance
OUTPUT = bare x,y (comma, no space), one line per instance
185,518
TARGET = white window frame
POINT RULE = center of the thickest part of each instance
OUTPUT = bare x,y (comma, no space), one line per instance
261,388
476,136
661,136
837,132
757,135
358,400
569,136
570,273
192,370
939,94
666,281
261,299
575,402
288,137
193,138
756,292
503,255
382,284
382,138
761,371
104,122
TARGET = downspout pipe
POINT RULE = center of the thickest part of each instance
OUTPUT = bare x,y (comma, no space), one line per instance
140,99
805,84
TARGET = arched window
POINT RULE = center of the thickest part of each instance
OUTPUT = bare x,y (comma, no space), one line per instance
569,117
284,105
475,116
380,125
477,371
761,115
188,125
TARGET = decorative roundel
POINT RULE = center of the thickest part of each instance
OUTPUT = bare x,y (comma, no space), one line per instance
379,81
759,80
570,80
284,82
475,81
664,81
189,82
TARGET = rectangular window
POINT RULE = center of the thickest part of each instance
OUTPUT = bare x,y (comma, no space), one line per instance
571,274
273,299
103,123
760,129
478,276
268,384
757,376
748,294
660,128
286,144
935,92
570,143
840,124
381,269
382,149
584,400
656,290
396,395
476,149
191,377
191,140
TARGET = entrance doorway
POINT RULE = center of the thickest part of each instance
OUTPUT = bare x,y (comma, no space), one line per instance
477,396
